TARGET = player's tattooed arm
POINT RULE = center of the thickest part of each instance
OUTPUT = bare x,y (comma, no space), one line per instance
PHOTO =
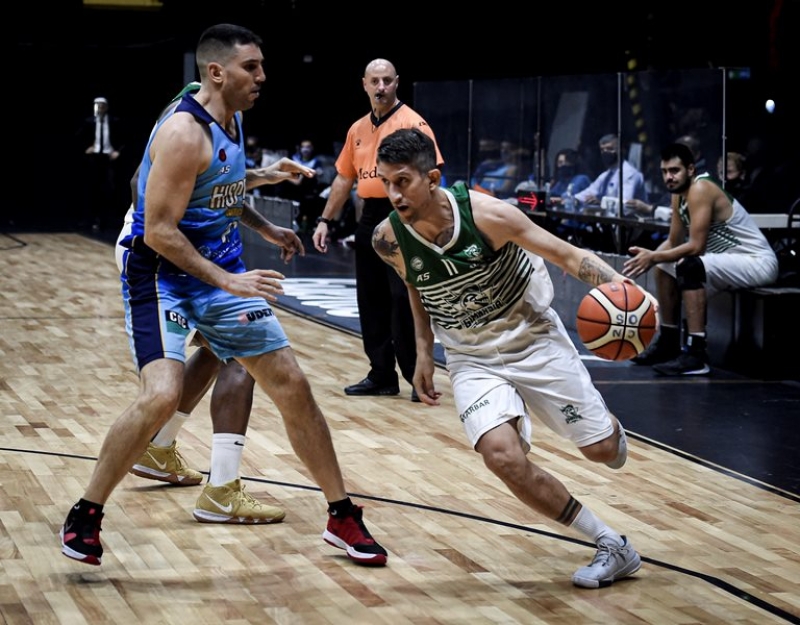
594,271
252,218
388,250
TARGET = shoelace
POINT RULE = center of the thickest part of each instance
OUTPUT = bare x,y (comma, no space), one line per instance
179,462
604,553
247,497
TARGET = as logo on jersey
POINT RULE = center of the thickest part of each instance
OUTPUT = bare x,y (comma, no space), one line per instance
223,156
417,264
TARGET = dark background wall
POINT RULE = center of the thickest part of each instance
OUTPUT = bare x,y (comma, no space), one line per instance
65,54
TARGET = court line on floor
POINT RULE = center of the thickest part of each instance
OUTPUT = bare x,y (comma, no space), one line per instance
709,579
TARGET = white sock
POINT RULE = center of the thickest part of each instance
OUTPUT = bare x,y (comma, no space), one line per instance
169,431
590,526
226,456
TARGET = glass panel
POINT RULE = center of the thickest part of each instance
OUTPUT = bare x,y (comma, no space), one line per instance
515,129
445,106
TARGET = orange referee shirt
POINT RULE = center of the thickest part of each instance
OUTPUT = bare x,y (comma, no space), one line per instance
358,158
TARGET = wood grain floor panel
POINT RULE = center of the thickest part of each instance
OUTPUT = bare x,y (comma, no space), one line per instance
462,549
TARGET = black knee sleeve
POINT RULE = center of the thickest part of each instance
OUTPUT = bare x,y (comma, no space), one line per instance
690,274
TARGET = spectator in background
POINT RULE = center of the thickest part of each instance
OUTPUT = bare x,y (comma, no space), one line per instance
499,177
732,170
566,180
253,152
565,173
306,192
596,236
488,159
607,183
101,134
693,143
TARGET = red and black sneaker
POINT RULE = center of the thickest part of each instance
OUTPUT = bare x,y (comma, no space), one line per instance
80,535
349,533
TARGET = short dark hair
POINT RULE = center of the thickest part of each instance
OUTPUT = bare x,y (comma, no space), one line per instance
680,151
217,41
570,155
408,146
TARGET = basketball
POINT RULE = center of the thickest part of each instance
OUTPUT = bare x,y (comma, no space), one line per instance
616,321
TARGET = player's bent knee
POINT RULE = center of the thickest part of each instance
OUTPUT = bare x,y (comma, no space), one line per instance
690,273
602,451
234,374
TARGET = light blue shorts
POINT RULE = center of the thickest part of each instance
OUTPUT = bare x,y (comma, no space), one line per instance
161,310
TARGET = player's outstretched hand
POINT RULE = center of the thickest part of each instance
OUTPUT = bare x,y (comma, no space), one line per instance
641,261
264,283
649,296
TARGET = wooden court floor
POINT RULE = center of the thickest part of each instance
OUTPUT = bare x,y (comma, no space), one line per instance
462,550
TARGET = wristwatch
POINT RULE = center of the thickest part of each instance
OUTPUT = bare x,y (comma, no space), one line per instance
324,220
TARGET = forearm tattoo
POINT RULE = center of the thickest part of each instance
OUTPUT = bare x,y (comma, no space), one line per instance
252,218
595,273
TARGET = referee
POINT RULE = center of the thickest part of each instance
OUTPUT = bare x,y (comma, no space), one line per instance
387,327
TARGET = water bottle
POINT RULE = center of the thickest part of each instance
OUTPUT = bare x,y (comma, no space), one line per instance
569,200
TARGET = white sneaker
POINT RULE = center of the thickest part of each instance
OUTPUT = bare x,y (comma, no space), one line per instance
622,451
610,563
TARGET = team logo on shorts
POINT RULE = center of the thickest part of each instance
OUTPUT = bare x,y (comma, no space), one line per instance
176,322
473,408
255,315
571,414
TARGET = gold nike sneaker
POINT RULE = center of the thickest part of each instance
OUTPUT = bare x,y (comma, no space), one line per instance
230,504
166,464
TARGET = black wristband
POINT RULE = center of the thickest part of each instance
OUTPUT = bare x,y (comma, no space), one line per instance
324,220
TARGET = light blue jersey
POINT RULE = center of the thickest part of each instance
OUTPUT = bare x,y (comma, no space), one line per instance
162,302
211,221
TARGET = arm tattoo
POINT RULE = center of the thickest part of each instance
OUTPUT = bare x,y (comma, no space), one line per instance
388,250
252,218
595,273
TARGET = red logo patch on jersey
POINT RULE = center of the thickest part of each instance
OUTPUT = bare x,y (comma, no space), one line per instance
222,156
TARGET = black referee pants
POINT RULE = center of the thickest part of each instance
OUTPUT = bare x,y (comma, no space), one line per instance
387,326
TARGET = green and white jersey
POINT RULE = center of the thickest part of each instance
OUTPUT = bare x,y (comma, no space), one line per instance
739,234
479,299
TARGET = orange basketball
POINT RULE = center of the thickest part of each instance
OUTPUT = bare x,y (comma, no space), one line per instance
616,321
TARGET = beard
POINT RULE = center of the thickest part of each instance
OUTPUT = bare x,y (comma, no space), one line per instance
681,187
